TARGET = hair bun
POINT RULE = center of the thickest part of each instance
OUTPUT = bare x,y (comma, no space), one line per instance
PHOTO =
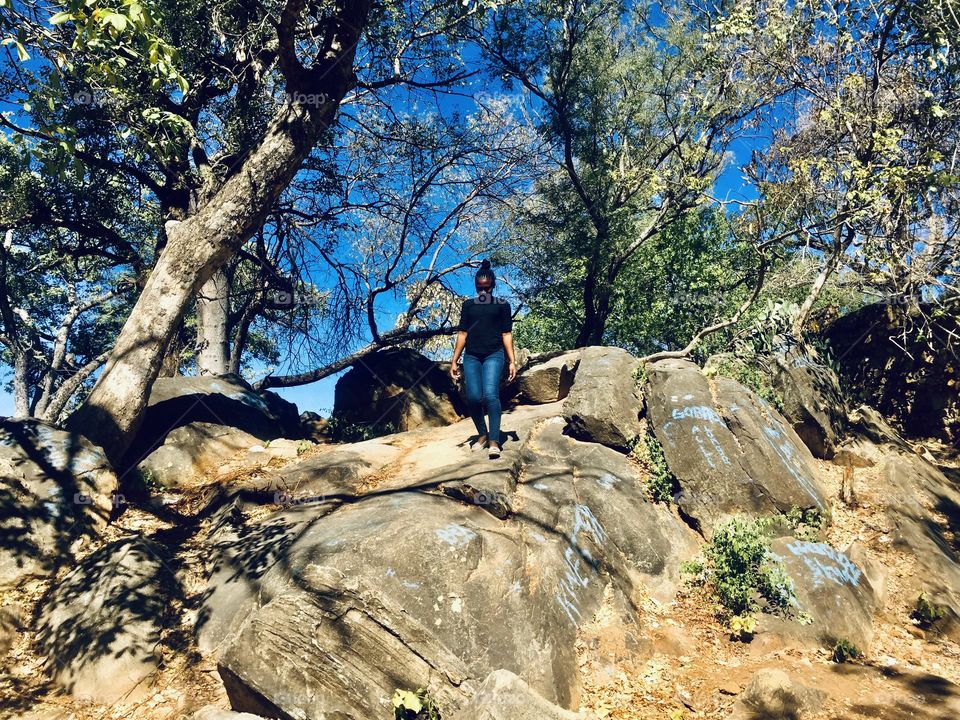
485,265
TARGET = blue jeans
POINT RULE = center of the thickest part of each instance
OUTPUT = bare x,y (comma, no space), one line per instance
482,380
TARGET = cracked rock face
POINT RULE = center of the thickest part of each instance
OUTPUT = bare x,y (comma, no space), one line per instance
407,584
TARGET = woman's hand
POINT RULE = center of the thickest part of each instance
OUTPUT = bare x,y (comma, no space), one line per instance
512,373
454,371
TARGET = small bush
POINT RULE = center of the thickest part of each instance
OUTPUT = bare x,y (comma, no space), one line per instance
741,571
845,650
640,377
415,705
341,430
926,613
807,524
742,627
746,372
647,451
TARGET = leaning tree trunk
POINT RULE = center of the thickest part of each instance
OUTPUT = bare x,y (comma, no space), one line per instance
213,312
198,246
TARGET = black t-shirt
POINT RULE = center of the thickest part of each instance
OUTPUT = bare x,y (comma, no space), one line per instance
484,321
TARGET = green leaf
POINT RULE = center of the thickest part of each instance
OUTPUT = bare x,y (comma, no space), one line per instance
118,21
22,53
61,17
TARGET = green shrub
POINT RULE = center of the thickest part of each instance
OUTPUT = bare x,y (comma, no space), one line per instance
807,524
926,613
647,451
342,430
747,372
741,571
415,705
845,650
640,377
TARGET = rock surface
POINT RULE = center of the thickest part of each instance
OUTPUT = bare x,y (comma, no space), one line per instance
604,405
504,696
409,586
400,387
735,454
100,626
193,450
191,424
812,399
773,695
56,493
912,379
832,589
547,381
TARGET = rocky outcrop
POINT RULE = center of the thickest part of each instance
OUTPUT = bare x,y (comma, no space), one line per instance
409,585
811,396
831,589
193,424
604,405
907,368
504,696
56,494
773,695
547,381
398,387
100,626
733,453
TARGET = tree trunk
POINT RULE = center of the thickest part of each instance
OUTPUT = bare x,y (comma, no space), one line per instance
198,246
213,311
21,386
821,280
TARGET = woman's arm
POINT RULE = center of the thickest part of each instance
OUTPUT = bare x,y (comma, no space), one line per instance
457,351
508,346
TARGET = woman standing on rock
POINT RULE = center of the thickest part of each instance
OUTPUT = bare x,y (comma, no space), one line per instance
486,330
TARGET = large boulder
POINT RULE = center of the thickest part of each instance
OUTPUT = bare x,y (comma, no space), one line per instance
192,425
917,491
547,381
100,626
604,405
773,695
504,696
908,375
810,393
398,387
406,584
192,451
735,454
832,589
56,494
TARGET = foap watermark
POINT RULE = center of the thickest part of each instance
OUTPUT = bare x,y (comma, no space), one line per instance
82,498
304,98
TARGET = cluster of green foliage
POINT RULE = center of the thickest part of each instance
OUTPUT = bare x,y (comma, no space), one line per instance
742,627
640,377
844,651
747,372
416,705
926,612
342,430
807,524
740,570
648,451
